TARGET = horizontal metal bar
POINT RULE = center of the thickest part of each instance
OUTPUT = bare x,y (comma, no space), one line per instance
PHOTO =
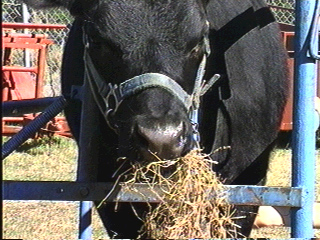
264,196
55,191
78,191
33,26
20,69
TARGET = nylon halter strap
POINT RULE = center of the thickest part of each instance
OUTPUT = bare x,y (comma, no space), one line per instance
109,96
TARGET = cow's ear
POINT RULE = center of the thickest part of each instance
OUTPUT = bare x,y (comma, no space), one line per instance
40,4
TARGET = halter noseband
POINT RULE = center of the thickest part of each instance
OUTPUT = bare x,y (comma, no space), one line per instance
103,92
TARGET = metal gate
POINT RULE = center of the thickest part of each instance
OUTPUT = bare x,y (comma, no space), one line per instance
299,197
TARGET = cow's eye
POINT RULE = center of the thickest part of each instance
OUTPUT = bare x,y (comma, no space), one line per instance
96,39
105,44
198,48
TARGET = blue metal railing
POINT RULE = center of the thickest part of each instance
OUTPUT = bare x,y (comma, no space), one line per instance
303,148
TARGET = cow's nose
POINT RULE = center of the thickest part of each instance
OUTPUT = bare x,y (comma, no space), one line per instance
166,142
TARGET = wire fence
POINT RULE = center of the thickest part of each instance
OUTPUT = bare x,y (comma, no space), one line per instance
14,11
283,10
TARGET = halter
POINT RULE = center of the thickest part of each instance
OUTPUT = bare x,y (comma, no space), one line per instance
110,96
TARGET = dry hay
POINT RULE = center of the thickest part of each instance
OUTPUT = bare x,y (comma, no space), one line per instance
187,209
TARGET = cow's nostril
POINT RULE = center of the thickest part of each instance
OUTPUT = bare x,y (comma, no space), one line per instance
167,142
181,141
142,139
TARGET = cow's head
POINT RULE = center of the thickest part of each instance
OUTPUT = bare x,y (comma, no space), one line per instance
128,38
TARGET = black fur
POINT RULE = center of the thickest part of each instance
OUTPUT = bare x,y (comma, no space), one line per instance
131,37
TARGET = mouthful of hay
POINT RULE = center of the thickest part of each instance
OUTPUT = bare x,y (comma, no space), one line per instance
187,208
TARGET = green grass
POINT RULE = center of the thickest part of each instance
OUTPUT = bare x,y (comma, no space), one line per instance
45,159
54,159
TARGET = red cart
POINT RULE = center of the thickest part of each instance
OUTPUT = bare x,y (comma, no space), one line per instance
21,83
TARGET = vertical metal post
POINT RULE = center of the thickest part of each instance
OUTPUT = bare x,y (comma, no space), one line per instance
40,70
303,167
85,209
88,155
85,228
25,19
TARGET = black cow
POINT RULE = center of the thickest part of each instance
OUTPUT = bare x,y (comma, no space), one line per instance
159,47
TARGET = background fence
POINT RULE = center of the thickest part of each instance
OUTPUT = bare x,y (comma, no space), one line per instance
283,10
14,11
